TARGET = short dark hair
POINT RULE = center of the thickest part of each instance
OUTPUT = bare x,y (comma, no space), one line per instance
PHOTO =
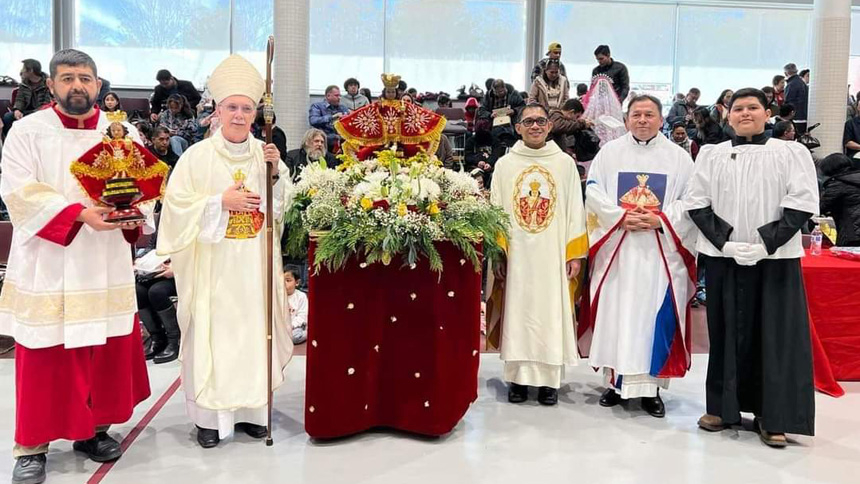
401,86
533,106
777,79
573,105
694,90
643,98
786,109
351,82
115,96
581,89
749,92
498,83
160,129
834,163
601,50
768,89
72,58
803,72
293,270
33,66
330,89
781,127
163,75
679,124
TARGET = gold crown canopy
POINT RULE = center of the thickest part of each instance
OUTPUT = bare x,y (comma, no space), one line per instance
390,80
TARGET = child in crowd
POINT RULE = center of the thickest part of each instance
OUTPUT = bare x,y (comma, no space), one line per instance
297,304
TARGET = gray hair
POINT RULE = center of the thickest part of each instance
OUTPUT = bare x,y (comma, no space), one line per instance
310,135
790,69
72,58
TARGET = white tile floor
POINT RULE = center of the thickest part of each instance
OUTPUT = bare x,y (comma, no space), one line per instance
577,441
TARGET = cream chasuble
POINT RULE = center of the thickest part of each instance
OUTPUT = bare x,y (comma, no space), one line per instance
219,264
640,282
74,296
540,190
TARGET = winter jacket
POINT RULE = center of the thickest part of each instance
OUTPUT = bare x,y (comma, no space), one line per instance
539,93
797,94
513,100
159,97
470,116
620,78
840,197
31,97
851,133
679,111
574,136
354,102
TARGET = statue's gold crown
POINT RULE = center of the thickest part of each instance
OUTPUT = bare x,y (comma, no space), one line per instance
642,178
390,80
534,185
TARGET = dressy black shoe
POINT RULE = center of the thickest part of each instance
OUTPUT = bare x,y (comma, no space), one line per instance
256,431
207,438
101,448
610,398
654,406
518,393
30,469
155,344
547,396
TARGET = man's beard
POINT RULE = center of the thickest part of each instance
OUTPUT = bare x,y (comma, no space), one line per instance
316,154
81,104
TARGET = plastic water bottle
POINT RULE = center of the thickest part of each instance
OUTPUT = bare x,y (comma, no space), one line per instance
815,248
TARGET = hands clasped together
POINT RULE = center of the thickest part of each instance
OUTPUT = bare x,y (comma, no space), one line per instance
745,254
639,219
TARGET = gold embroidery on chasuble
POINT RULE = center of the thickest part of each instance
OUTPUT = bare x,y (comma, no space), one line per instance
535,197
244,225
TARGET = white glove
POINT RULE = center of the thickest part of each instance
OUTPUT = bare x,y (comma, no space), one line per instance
731,249
751,254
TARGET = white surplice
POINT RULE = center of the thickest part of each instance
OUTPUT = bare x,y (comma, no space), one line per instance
540,190
220,284
78,295
640,285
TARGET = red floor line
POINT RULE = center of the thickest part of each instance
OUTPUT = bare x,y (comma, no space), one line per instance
102,471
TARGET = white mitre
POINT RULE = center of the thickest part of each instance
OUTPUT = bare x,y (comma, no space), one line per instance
235,76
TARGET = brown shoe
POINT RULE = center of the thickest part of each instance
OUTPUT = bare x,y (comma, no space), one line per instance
711,423
777,441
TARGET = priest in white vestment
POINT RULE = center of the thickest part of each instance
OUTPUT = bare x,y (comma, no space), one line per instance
213,228
538,185
641,266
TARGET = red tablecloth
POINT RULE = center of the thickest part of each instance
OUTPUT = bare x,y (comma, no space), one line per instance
390,346
833,294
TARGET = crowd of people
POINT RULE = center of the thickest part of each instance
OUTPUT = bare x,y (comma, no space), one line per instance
636,191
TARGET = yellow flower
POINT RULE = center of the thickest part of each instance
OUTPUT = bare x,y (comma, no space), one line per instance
312,192
366,203
433,209
401,209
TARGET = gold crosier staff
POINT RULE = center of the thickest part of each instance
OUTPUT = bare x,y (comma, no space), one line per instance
268,117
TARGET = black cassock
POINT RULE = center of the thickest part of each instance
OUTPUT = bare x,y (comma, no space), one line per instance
760,349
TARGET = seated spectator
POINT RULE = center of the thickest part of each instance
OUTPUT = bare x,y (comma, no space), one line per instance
313,149
145,131
111,103
401,88
161,146
207,120
581,90
682,111
471,112
353,99
168,86
786,113
851,136
105,89
323,114
297,304
840,197
784,130
33,93
366,93
553,53
279,138
179,119
444,101
413,93
482,151
157,312
680,138
445,153
572,133
407,98
707,131
550,89
720,109
500,109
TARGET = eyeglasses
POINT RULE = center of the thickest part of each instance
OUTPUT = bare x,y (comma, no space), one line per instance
528,122
232,108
